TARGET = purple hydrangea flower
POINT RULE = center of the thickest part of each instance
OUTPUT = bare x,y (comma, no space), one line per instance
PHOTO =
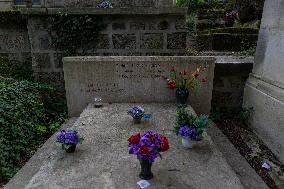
67,137
136,112
148,147
188,132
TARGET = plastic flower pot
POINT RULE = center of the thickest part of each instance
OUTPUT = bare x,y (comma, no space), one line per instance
147,119
71,149
146,173
182,96
187,143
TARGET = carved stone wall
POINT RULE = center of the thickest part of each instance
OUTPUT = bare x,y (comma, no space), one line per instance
115,3
148,32
14,42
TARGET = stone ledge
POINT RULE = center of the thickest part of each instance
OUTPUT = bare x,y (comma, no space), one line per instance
135,58
111,11
266,86
234,59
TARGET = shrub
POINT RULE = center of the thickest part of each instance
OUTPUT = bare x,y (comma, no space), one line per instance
29,112
195,4
15,69
70,33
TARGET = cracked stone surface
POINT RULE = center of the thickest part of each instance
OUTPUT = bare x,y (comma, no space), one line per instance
102,161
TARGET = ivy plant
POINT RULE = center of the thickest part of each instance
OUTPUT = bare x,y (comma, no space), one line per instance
71,34
29,112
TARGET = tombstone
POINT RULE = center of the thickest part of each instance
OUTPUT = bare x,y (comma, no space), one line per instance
264,89
130,79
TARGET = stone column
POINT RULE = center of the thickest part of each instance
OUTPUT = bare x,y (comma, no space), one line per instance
264,89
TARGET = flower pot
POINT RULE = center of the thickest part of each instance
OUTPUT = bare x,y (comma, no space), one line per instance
137,120
182,96
71,149
146,173
187,143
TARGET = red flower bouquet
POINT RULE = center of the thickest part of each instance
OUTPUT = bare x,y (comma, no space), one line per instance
184,79
147,148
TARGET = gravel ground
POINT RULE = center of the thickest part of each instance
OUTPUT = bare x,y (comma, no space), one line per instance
254,150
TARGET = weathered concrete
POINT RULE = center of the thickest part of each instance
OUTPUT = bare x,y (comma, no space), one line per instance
265,88
102,161
131,79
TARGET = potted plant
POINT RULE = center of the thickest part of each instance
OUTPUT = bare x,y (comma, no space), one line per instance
147,148
184,82
137,112
69,139
190,127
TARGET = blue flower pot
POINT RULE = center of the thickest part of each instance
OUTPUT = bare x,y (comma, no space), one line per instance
182,96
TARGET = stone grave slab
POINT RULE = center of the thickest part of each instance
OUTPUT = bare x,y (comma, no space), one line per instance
124,79
102,161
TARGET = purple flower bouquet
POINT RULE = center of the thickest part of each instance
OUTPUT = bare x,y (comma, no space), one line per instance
188,134
69,139
147,148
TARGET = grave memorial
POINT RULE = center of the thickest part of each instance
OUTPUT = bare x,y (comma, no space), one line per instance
264,89
103,160
130,79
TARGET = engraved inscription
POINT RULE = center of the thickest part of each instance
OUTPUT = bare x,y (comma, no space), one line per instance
104,87
124,71
139,71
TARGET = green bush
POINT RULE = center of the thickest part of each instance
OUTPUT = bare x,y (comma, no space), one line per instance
30,113
71,33
238,114
195,4
15,69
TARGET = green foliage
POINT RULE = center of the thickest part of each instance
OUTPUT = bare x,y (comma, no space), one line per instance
191,23
238,114
28,112
196,4
199,122
15,69
245,114
71,33
11,18
183,117
54,127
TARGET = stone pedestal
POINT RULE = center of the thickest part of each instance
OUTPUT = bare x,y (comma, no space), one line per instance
264,89
5,4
